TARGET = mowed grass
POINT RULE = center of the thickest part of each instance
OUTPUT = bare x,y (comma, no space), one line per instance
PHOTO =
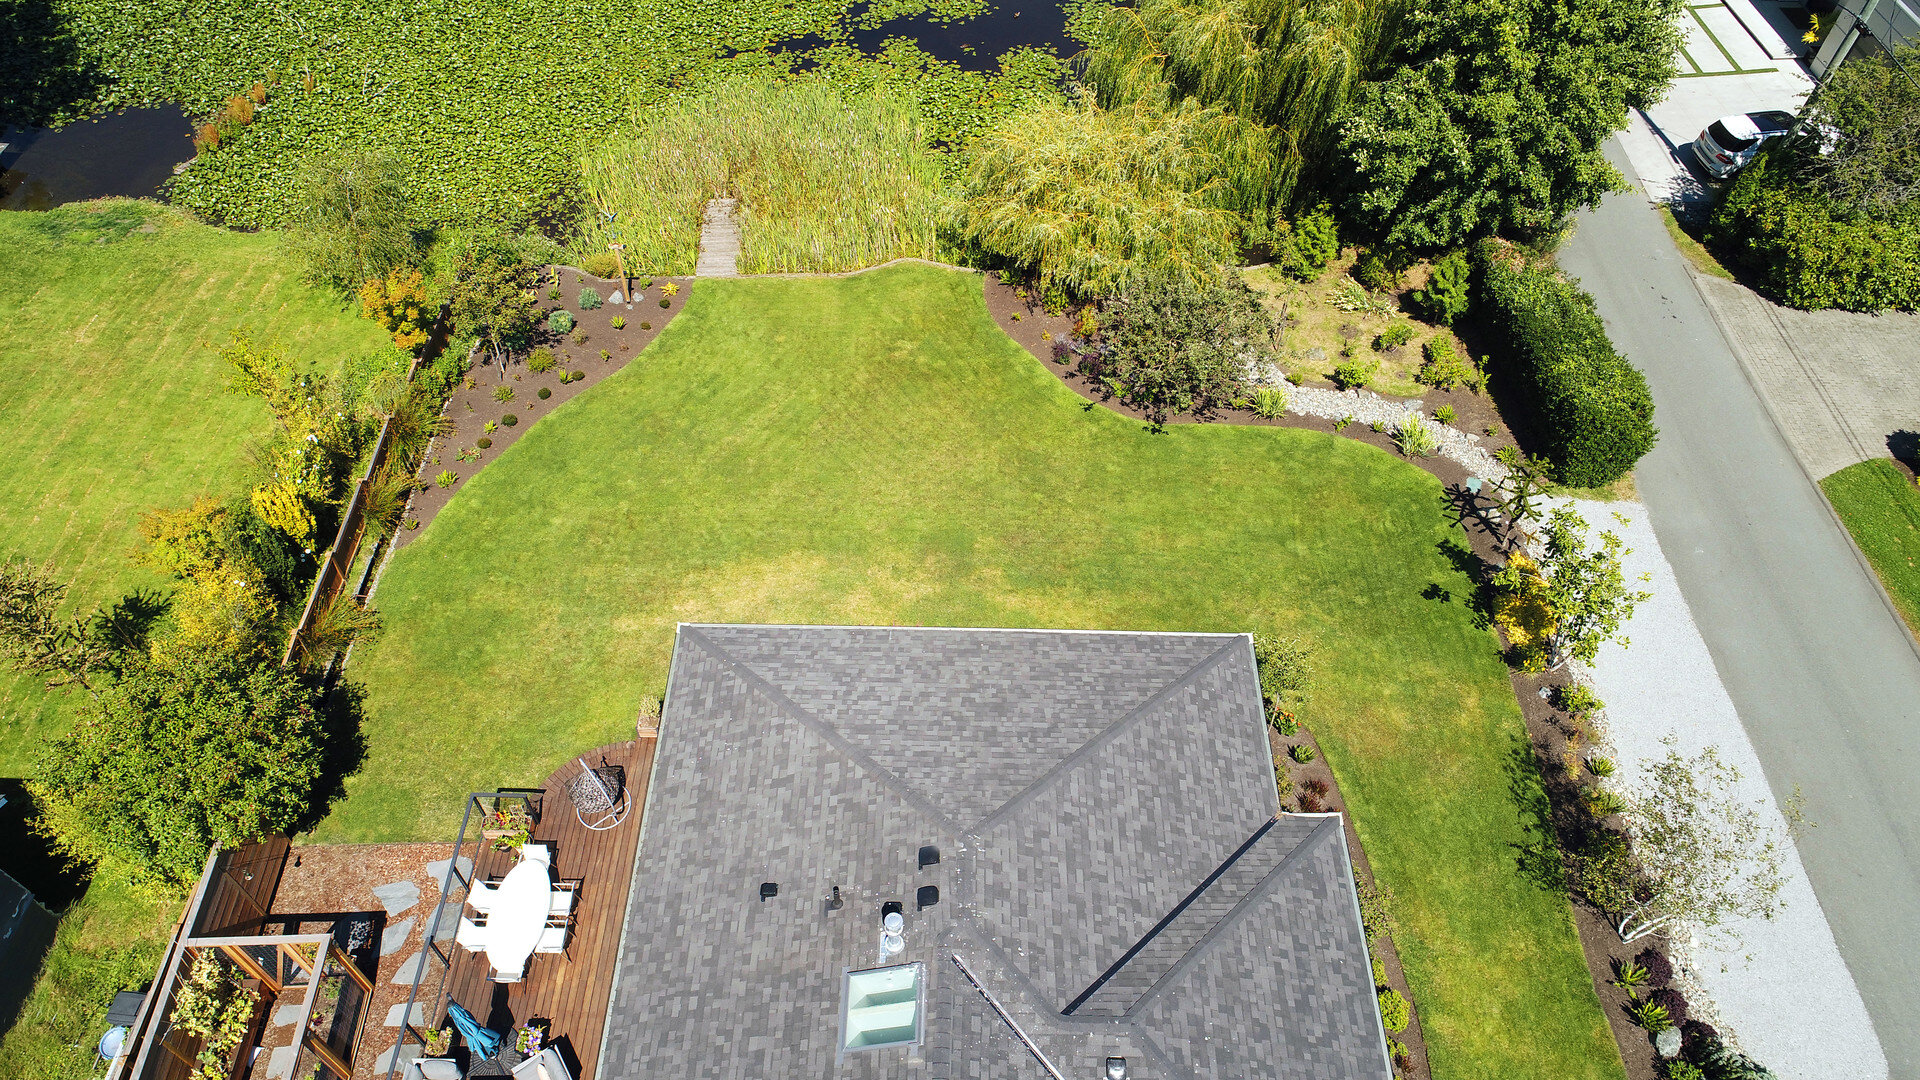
115,401
874,450
1881,508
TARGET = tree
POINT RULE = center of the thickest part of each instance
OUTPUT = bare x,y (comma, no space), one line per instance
355,222
1705,856
1572,600
1445,297
1087,199
1492,119
1172,347
1861,141
492,296
36,638
178,756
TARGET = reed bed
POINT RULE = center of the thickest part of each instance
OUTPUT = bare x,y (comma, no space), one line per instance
826,182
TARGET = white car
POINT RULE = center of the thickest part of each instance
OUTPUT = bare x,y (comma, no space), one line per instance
1730,142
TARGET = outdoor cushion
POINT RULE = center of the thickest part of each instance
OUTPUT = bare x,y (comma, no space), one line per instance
439,1069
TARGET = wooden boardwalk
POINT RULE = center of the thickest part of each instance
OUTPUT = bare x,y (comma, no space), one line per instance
719,241
570,991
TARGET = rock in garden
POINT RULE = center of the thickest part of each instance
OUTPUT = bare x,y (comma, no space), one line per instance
616,298
1667,1043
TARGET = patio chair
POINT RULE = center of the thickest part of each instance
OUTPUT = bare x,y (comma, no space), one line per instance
599,795
482,896
472,935
546,1065
539,853
563,896
553,939
499,976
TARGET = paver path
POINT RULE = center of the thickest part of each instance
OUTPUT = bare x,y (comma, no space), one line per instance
1822,673
719,241
1840,383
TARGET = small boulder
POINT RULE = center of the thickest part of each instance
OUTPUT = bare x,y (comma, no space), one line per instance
1667,1043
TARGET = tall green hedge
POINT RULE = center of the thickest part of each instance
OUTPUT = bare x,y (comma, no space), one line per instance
1811,252
1591,408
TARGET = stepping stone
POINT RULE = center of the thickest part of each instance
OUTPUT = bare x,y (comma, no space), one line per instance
286,1014
403,1050
394,938
280,1062
449,923
397,896
397,1015
409,969
437,869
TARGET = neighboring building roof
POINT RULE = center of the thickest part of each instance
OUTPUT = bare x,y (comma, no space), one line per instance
1112,871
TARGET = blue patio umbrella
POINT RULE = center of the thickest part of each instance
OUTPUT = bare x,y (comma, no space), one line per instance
482,1041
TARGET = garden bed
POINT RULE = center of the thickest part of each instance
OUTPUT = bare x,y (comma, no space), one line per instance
593,350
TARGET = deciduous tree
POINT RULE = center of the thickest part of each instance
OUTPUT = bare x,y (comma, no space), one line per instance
1172,347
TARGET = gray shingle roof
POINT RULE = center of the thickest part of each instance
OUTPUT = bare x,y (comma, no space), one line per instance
1112,870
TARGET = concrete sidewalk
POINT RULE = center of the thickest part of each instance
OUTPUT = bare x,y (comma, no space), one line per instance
1823,675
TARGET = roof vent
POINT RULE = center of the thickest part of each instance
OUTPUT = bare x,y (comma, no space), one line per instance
836,901
929,856
769,890
928,896
1116,1068
891,907
892,941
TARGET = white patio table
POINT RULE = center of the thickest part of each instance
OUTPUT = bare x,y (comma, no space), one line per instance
519,914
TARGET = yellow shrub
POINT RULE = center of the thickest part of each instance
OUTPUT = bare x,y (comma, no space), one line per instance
184,542
281,506
227,614
1522,607
399,303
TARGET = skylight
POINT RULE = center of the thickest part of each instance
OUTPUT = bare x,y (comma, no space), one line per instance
882,1008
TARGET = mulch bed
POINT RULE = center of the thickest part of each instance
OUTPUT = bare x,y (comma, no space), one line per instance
1029,324
1547,728
472,406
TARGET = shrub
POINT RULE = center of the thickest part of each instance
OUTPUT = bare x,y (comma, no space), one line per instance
503,394
589,300
354,219
1600,766
1628,975
1354,374
179,755
398,302
1414,438
545,393
1393,336
447,478
1395,1013
1445,297
1285,665
619,322
579,337
1174,347
1445,414
1302,753
1659,968
601,264
646,326
1671,1000
484,443
1304,249
579,375
509,420
1576,700
1269,402
1444,368
1593,409
1376,908
1647,1014
491,427
560,321
1378,271
1678,1069
541,361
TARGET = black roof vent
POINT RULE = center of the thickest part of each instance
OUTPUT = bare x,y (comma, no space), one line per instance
891,907
769,890
835,902
929,856
928,896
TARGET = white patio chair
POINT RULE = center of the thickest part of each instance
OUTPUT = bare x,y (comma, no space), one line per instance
471,936
546,1065
539,853
563,896
553,939
482,896
507,976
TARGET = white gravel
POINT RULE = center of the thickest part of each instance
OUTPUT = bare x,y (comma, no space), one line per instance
1784,996
1367,407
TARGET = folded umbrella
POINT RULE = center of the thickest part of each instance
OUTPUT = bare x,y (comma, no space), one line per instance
484,1042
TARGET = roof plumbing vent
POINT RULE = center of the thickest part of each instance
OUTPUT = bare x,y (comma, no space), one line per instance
892,939
1116,1068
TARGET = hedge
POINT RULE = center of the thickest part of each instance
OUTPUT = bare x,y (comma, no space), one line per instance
1812,254
1591,408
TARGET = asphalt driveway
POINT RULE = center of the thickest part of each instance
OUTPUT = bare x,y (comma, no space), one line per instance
1824,677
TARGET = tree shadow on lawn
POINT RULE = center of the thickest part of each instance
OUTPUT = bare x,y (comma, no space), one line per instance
342,712
1538,857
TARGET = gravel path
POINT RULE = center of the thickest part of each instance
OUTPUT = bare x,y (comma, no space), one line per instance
1367,407
1787,996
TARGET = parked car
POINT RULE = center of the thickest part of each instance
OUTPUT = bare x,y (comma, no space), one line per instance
1730,142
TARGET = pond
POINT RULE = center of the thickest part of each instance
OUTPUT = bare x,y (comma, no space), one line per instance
130,153
977,43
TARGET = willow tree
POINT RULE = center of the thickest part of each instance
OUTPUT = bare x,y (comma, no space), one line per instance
1088,199
1282,71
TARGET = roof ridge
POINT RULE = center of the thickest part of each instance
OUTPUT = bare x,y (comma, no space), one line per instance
1167,920
826,731
1106,735
1331,826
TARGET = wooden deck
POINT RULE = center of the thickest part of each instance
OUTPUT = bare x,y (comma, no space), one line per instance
569,991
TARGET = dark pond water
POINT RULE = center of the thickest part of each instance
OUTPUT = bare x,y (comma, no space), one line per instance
130,153
974,43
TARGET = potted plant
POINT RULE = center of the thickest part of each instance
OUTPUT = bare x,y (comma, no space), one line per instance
438,1042
528,1038
508,827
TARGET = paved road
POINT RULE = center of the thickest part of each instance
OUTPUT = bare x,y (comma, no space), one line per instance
1824,678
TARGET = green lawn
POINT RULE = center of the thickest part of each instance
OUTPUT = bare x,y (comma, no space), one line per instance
114,404
1882,511
109,940
874,450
